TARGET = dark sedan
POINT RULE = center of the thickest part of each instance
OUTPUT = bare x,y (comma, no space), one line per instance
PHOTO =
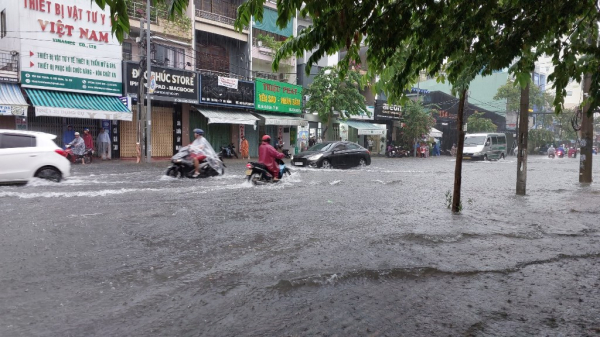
333,154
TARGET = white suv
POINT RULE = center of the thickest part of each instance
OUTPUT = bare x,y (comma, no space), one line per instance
27,154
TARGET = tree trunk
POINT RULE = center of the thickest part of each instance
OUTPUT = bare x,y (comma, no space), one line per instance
459,152
522,142
587,136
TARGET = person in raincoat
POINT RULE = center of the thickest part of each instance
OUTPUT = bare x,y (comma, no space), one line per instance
103,141
78,147
201,149
68,135
87,138
267,155
245,148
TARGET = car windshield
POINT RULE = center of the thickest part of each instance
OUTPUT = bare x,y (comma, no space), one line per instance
321,147
474,140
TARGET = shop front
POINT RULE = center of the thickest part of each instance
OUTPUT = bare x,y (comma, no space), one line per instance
391,116
368,135
172,93
224,112
13,107
278,105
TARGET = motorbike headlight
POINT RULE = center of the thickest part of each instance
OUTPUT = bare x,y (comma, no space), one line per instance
315,157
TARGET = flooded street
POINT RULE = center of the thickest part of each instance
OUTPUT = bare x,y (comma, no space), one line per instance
118,249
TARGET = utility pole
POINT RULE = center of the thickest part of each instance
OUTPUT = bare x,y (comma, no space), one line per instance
148,126
522,136
587,134
141,146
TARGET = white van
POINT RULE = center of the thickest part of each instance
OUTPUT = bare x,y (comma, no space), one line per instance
484,146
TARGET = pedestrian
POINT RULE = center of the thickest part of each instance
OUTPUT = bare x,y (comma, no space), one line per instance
453,150
417,149
423,150
434,149
370,144
87,138
103,141
68,135
245,148
279,144
311,141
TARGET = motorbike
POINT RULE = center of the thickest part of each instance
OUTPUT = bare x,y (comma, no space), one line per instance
551,155
228,151
258,173
572,153
73,158
560,153
182,165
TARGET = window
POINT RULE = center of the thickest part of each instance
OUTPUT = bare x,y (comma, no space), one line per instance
168,56
352,146
126,51
501,140
494,141
340,147
8,141
3,24
569,93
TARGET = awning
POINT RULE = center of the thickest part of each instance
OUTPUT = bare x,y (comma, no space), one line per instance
435,133
365,128
12,102
283,120
227,117
75,105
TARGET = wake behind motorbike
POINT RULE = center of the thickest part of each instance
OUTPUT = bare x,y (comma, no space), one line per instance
73,158
182,165
258,173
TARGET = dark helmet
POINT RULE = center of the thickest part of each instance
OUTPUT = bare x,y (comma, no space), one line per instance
199,131
266,138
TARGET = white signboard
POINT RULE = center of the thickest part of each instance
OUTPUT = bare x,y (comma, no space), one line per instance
82,113
11,110
67,45
231,83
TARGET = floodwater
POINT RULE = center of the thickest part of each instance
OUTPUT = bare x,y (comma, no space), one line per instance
121,250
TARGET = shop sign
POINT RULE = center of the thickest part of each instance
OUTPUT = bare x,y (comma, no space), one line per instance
218,90
12,110
67,45
383,110
82,113
170,84
278,96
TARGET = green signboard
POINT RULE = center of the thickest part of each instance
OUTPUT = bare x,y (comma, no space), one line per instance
277,96
69,83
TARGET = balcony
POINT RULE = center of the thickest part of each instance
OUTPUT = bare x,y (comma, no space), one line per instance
211,62
137,10
9,66
179,27
216,10
264,53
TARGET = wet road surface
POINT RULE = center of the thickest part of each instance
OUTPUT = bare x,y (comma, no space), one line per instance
120,250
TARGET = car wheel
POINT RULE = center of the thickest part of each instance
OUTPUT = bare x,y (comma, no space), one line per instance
502,156
326,164
485,157
362,163
49,173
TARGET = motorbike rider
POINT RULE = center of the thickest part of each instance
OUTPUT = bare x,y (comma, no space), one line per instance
78,145
200,149
267,155
561,148
551,150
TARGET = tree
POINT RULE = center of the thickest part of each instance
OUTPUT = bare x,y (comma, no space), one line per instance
477,123
511,93
538,138
119,18
447,40
330,93
418,121
563,125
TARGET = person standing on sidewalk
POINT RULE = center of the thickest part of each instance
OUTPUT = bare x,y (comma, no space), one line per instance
68,136
245,148
103,141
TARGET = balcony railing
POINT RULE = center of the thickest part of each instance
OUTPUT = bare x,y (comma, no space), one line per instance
9,62
216,10
137,10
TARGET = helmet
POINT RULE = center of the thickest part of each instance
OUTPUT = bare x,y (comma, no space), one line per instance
266,138
199,131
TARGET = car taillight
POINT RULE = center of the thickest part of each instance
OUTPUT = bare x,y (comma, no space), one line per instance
369,152
248,165
61,152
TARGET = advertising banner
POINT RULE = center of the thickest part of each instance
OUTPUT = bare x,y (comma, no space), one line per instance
172,85
219,90
385,111
67,45
278,96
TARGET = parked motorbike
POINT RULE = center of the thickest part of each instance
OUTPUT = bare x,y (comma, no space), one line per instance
73,158
182,165
258,173
228,151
